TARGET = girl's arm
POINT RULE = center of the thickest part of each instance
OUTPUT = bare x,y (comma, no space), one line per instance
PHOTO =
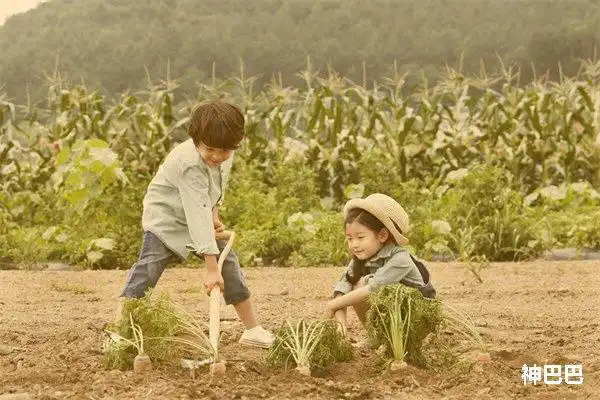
340,316
354,297
392,272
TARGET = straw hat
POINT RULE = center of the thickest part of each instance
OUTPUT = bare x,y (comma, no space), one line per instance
385,209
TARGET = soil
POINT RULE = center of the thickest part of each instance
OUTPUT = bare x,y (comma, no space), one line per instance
51,332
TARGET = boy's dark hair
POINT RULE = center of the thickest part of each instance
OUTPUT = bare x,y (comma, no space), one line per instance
372,223
217,124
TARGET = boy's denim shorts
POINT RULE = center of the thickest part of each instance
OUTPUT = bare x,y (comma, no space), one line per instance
154,258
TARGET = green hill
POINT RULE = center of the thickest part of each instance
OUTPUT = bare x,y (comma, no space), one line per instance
109,42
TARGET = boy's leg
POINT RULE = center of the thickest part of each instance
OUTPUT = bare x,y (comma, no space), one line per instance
152,261
236,293
235,290
246,313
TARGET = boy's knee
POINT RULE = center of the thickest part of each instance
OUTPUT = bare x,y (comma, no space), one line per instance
235,288
235,298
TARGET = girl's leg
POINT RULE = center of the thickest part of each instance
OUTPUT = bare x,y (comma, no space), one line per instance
361,308
361,312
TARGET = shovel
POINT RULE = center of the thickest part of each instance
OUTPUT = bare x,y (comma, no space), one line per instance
215,305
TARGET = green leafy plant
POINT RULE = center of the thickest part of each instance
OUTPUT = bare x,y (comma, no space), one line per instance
401,318
192,336
85,171
461,323
511,169
137,340
156,318
397,332
307,345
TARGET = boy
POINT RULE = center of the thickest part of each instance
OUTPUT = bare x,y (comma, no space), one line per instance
180,207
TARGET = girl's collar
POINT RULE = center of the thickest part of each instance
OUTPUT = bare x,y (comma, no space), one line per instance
384,252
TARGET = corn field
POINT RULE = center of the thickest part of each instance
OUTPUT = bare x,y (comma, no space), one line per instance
544,133
540,134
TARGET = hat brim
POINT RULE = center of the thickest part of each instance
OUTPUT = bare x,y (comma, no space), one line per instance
377,213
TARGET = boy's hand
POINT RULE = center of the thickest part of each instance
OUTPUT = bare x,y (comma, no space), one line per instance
213,278
217,224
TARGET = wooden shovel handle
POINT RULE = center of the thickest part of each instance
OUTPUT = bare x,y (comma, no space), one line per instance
215,294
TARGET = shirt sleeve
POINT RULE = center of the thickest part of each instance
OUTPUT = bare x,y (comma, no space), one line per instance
193,188
225,173
393,271
343,286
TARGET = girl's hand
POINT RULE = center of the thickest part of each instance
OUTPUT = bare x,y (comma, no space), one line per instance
329,312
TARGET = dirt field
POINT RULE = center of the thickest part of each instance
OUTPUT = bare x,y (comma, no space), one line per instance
548,313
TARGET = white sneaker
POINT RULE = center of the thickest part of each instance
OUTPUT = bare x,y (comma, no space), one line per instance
257,336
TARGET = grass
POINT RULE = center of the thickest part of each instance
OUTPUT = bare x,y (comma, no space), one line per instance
191,289
462,324
71,288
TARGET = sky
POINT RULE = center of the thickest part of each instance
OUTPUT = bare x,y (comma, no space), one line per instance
10,7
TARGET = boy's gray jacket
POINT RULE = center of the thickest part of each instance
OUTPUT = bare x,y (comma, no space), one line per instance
179,200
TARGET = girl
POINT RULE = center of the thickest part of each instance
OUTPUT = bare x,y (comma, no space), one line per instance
375,228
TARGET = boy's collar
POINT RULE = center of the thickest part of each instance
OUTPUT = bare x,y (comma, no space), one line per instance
384,252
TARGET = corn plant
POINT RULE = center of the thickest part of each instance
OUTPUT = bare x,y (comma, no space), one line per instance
536,135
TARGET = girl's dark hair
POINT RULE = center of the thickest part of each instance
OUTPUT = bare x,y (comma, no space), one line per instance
372,223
